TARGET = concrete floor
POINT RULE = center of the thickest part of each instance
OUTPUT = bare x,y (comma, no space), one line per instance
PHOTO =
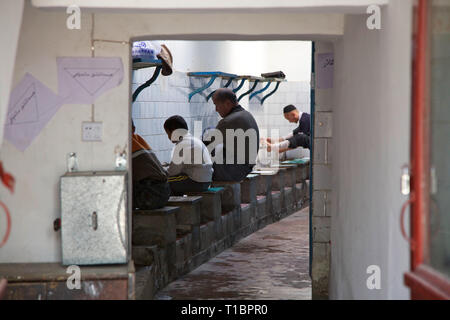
272,263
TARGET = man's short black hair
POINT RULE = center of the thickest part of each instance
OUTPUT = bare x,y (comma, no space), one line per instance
224,94
175,122
289,108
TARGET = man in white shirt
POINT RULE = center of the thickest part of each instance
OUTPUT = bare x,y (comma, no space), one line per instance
191,168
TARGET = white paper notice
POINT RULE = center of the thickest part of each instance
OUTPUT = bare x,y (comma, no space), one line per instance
84,79
325,65
31,106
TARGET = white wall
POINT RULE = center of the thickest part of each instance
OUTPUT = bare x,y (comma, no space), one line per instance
371,132
35,202
10,21
244,57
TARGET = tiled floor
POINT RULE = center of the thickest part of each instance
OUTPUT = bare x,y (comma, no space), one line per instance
271,263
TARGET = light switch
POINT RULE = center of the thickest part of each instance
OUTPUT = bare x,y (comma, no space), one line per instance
92,131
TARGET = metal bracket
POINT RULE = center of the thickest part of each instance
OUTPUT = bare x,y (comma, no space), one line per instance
213,75
140,65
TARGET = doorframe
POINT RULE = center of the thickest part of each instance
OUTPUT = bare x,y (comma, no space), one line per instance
424,281
311,151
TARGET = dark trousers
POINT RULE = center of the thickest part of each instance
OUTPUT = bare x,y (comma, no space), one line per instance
180,185
231,172
149,194
299,140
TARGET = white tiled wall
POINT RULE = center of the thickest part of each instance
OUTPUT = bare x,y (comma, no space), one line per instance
169,96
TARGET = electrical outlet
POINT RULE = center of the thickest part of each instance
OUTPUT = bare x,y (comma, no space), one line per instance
92,131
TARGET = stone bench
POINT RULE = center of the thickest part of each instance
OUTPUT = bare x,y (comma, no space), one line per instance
48,281
211,208
231,195
249,188
290,176
264,181
208,240
302,172
289,193
276,205
228,228
188,217
248,220
184,254
278,180
152,271
157,227
264,214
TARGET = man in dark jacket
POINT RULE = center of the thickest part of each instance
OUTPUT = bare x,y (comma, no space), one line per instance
235,152
300,136
150,187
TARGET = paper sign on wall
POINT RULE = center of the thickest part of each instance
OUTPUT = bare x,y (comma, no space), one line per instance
83,79
31,106
324,70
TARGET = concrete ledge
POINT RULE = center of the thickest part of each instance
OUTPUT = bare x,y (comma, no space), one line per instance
261,208
289,202
276,205
184,254
145,255
152,271
190,209
278,180
249,189
211,204
247,213
231,195
290,174
154,226
227,227
264,181
207,236
145,283
217,247
302,172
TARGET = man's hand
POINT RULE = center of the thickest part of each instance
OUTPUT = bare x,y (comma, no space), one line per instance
270,140
281,149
